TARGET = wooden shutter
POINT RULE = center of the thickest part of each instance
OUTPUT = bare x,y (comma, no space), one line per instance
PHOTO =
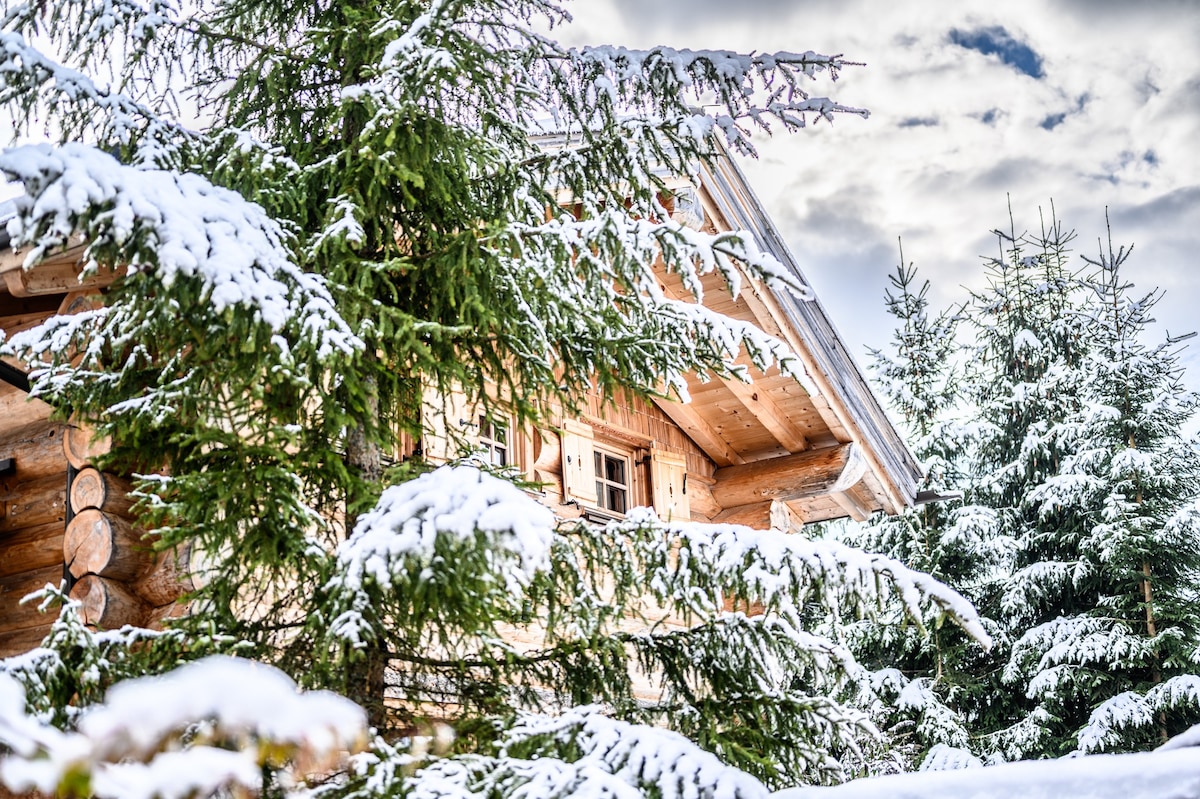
668,478
449,425
578,469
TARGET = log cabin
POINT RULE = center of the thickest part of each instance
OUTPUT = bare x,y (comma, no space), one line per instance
776,451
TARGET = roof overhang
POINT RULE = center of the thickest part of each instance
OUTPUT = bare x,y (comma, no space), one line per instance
822,446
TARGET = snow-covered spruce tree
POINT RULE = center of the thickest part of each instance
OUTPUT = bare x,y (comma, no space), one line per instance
1123,656
1026,378
369,208
924,686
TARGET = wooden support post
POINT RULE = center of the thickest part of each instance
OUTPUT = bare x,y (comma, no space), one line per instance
97,543
801,476
107,604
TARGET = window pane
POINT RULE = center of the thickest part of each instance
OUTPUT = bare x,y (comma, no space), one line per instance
615,471
616,499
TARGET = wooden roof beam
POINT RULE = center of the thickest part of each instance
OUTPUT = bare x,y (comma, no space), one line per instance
814,473
757,401
760,405
850,503
57,274
688,419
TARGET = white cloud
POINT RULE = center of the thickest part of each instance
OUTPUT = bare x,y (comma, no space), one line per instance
1121,75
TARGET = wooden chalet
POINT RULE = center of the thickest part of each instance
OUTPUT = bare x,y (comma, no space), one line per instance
776,451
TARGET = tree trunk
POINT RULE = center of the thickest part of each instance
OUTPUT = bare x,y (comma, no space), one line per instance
365,673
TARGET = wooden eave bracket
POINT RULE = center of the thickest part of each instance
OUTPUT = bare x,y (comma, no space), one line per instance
14,377
56,274
805,475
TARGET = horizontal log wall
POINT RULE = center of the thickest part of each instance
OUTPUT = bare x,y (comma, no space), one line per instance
33,507
118,576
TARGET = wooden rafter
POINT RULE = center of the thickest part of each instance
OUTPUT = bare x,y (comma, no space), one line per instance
759,404
688,419
57,274
764,410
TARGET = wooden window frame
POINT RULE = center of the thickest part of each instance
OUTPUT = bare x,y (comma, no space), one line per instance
489,444
606,487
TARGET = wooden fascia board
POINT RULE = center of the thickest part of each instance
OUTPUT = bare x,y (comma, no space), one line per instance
805,475
836,372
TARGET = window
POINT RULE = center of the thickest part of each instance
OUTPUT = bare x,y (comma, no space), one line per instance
612,480
493,442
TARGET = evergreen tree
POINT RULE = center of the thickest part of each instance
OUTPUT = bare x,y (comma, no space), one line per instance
1124,659
1027,378
925,687
384,200
1082,489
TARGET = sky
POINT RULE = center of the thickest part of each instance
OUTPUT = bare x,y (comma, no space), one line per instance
1084,104
975,104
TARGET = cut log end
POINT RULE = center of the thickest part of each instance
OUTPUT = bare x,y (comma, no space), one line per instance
92,488
99,543
108,604
82,447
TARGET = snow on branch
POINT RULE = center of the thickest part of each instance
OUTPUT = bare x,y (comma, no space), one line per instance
23,67
1114,716
458,501
581,753
607,262
236,715
760,87
638,755
397,541
784,571
169,226
687,97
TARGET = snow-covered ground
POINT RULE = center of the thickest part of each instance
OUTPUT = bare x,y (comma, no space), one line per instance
1168,773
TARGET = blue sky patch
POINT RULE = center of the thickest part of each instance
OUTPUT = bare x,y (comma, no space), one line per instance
995,40
1053,121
